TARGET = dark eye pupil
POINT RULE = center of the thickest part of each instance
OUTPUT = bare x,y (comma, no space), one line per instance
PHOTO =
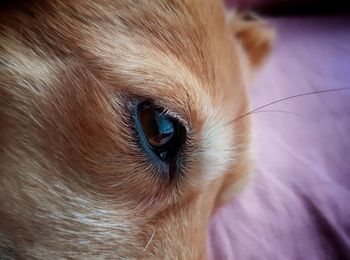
160,135
158,127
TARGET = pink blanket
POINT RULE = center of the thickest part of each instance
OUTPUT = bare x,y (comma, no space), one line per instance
298,203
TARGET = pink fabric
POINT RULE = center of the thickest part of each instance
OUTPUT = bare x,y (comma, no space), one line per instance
298,203
253,3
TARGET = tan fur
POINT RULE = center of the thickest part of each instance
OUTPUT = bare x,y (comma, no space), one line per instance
73,180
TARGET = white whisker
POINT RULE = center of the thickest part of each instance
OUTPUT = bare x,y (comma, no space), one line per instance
150,240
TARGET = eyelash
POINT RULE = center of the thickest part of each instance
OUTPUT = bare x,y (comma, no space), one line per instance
171,166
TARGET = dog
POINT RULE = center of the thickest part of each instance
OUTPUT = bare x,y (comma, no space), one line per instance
120,128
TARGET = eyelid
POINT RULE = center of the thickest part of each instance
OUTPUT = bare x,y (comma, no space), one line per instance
177,117
133,102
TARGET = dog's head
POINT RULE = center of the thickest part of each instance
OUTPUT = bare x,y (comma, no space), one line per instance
117,124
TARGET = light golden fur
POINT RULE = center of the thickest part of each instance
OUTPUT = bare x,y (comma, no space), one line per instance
73,181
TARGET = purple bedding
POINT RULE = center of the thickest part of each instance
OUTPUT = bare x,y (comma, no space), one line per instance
297,205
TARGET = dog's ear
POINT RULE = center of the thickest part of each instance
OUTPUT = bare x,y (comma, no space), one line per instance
255,36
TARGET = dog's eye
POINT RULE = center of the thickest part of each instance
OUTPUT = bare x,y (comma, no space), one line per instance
161,135
157,127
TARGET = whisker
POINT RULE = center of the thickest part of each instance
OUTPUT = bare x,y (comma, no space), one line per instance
258,109
284,99
203,151
150,240
277,111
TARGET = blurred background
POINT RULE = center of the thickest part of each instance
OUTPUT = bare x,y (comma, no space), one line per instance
297,203
294,7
